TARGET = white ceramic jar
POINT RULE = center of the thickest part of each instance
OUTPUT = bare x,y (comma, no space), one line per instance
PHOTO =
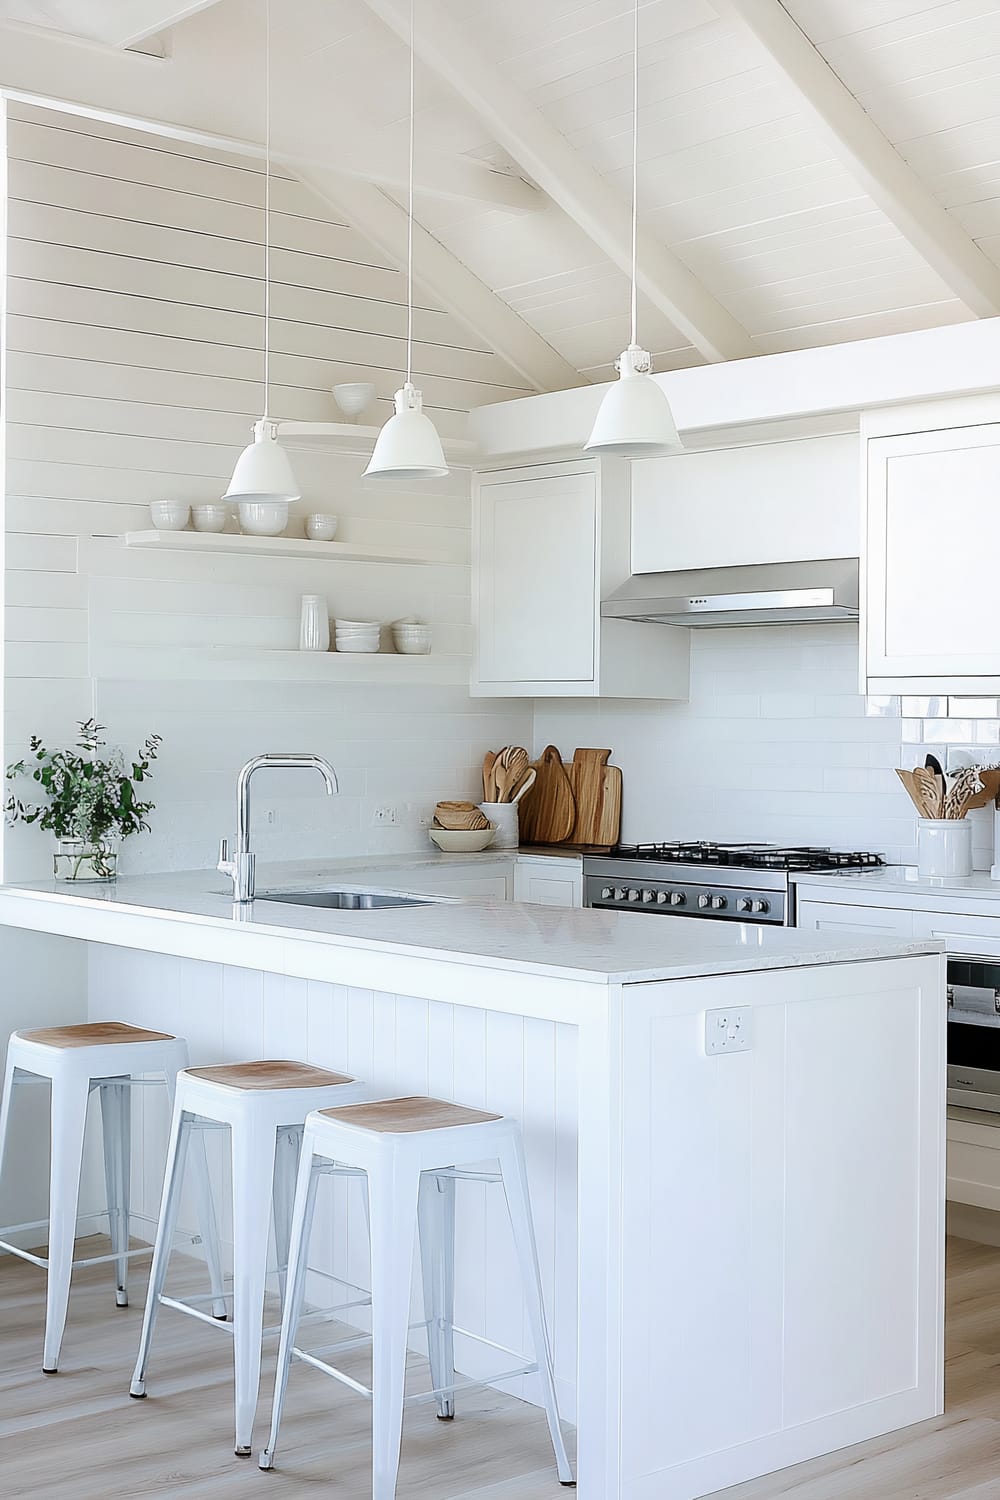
503,815
320,527
944,848
314,624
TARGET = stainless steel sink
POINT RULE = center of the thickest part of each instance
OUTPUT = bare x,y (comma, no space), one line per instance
343,900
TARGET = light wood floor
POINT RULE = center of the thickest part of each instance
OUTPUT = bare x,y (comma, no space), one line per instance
78,1436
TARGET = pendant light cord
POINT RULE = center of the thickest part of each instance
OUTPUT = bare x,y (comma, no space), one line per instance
267,206
635,158
409,224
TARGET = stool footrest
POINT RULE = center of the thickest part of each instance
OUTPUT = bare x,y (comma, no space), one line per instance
460,1383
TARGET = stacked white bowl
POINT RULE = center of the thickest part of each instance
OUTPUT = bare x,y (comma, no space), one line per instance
357,635
411,638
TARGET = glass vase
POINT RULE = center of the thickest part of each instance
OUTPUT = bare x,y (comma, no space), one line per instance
83,860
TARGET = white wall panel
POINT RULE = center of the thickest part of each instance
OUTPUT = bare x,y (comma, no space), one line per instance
134,305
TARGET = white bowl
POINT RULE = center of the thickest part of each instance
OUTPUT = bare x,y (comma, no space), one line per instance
357,624
412,648
462,840
357,647
170,515
208,517
353,396
359,635
263,517
320,527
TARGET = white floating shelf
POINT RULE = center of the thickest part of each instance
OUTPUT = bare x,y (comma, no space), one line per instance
248,664
278,546
345,437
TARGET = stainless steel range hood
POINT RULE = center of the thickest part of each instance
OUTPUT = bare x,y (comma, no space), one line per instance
761,594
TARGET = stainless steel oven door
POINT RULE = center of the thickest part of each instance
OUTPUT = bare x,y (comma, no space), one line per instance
974,1032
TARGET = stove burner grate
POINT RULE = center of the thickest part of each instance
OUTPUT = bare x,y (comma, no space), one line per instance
751,856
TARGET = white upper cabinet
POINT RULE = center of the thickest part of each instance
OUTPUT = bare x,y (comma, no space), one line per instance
933,539
548,542
766,503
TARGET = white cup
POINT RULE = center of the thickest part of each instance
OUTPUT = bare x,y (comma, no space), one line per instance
321,527
170,515
209,517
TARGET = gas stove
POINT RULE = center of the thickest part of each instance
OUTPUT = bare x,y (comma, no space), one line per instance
727,882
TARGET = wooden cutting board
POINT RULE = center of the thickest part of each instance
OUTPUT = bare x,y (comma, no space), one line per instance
548,812
597,790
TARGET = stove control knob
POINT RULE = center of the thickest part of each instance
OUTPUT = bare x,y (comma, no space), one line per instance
719,903
743,903
608,893
634,895
648,896
761,906
662,897
704,902
677,898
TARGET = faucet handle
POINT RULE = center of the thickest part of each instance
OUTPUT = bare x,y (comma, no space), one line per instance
224,861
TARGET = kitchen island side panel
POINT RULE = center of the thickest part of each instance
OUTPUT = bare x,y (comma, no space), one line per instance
397,1044
781,1245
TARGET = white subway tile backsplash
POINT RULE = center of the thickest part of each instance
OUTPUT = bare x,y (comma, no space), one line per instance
948,731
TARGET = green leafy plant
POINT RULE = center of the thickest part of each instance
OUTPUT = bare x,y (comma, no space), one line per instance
89,796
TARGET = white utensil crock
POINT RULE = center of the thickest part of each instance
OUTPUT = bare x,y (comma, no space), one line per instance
944,848
504,816
314,624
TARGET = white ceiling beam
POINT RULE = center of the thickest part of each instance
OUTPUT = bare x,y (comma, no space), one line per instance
545,156
447,280
182,91
870,156
126,23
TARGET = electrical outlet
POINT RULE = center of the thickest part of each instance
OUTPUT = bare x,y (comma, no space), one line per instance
728,1030
384,817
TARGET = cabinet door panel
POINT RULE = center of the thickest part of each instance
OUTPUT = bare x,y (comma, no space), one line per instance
771,502
867,921
537,601
933,542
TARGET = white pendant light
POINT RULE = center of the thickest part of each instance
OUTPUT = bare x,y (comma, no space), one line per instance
408,447
263,470
634,419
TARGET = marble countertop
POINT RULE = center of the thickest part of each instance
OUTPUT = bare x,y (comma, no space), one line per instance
904,880
601,947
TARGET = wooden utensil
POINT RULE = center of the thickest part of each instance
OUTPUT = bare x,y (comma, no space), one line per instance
589,782
510,766
931,790
489,788
548,810
459,815
990,777
906,777
525,784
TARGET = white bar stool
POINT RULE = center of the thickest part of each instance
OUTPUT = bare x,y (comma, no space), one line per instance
264,1106
109,1056
409,1148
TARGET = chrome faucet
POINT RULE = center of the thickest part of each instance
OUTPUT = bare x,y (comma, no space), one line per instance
241,867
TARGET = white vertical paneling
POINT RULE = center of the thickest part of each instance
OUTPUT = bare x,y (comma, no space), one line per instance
397,1044
133,301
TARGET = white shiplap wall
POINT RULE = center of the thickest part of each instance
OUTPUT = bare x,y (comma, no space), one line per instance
134,331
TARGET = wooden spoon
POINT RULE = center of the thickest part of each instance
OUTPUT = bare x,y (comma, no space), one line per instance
489,787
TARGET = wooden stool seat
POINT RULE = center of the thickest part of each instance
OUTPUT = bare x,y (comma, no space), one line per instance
407,1116
93,1034
270,1074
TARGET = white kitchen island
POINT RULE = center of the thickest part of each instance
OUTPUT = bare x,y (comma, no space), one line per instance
743,1254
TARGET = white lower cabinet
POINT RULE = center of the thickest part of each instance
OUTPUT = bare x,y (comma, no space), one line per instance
547,881
973,1141
493,879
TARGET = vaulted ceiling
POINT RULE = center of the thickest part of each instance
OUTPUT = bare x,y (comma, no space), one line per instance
810,172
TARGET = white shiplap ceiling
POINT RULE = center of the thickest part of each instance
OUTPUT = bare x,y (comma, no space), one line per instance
762,225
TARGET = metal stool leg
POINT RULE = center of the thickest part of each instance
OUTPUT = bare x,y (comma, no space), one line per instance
303,1212
286,1166
69,1120
393,1206
515,1184
6,1100
253,1181
208,1224
177,1148
436,1222
116,1119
